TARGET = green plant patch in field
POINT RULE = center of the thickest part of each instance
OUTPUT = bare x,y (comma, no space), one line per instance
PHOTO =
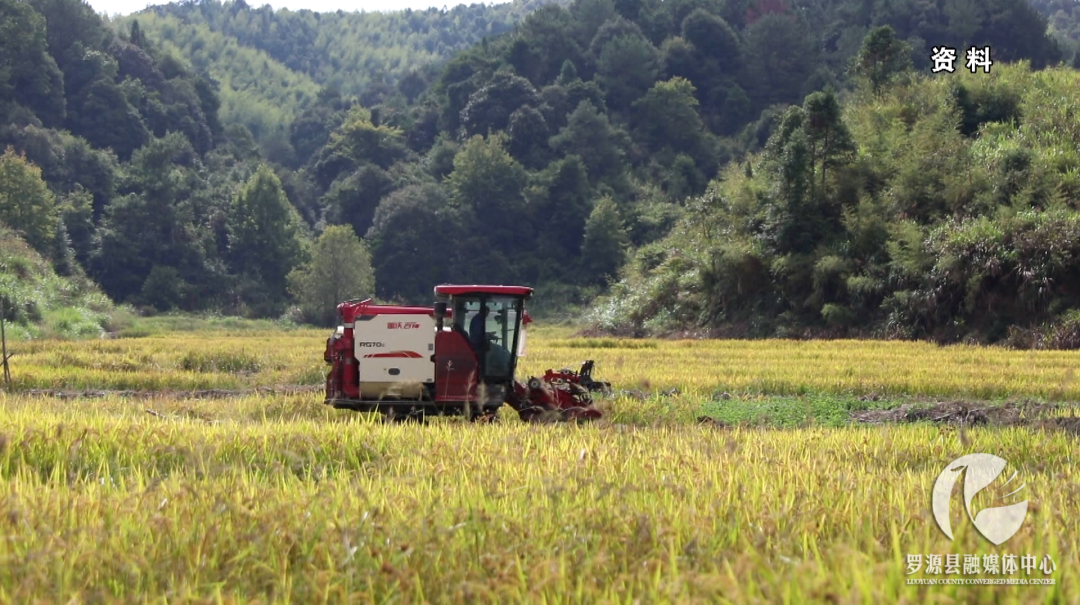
826,410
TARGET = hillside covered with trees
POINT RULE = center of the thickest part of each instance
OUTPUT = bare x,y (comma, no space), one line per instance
543,155
589,135
1064,21
269,65
941,207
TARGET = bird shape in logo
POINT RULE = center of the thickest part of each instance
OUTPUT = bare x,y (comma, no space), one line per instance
997,524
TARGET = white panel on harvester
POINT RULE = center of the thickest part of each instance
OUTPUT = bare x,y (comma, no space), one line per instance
394,353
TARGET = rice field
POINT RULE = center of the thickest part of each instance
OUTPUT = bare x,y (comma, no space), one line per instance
266,495
253,359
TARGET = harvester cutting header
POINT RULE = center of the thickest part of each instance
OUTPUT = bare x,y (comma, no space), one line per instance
458,357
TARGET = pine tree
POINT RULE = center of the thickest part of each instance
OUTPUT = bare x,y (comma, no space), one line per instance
882,57
137,37
63,257
568,73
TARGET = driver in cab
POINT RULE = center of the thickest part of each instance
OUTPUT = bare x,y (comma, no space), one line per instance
498,356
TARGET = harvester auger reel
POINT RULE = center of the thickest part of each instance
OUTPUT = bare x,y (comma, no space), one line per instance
457,357
559,395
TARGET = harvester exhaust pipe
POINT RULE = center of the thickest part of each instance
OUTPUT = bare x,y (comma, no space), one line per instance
440,314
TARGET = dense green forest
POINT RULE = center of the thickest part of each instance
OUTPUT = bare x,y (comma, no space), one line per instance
269,65
765,166
938,206
255,91
357,53
1064,22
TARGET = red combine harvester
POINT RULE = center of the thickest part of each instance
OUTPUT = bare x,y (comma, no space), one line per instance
456,358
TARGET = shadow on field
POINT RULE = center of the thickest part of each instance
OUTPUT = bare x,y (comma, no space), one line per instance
1025,413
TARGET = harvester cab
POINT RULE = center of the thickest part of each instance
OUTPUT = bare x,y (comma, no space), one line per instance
475,358
458,357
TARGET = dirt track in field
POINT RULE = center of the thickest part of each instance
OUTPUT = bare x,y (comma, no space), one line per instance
961,413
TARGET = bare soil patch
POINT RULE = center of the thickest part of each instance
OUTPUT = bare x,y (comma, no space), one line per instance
963,413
